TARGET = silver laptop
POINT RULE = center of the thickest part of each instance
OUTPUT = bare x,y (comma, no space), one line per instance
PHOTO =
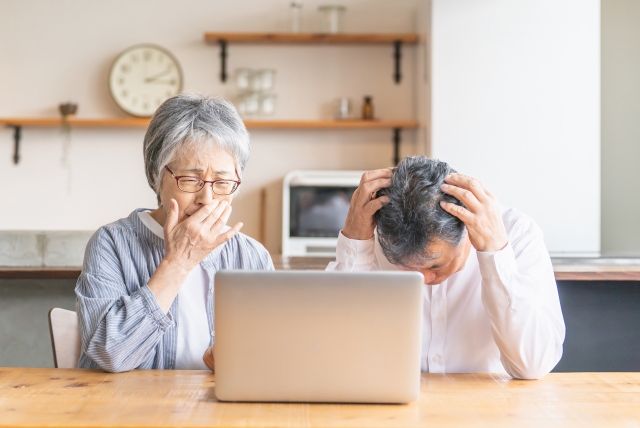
313,336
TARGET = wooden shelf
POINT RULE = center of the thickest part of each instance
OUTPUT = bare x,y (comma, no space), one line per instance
396,125
397,40
271,124
74,121
311,38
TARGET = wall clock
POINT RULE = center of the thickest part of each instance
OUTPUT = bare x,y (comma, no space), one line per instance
142,77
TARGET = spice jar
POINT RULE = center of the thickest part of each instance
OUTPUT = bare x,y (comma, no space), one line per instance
367,108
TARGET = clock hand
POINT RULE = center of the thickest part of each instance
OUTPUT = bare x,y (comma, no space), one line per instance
157,75
164,82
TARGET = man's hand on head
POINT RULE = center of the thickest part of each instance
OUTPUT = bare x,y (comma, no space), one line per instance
360,223
482,215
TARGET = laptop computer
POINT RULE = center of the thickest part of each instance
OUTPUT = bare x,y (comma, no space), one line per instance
311,336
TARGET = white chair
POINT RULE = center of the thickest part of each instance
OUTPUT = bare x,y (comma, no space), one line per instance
65,338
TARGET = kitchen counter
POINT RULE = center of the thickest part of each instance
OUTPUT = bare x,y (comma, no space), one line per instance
566,269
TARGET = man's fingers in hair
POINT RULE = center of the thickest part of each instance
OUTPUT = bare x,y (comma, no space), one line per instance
376,174
371,187
457,211
468,183
373,206
463,195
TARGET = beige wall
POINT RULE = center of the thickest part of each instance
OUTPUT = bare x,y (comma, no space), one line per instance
52,52
620,127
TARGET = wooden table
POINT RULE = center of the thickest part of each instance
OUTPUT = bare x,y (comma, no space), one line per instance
72,397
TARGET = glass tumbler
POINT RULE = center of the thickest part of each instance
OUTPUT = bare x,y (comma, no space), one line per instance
268,104
264,80
249,104
331,18
244,79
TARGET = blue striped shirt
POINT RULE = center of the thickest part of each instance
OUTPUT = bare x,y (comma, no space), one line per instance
121,325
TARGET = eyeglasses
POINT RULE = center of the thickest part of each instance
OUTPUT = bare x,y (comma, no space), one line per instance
195,184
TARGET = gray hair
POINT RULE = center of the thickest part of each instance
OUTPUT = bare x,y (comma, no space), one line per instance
193,119
413,219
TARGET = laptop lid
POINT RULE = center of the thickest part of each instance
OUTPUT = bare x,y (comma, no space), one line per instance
315,336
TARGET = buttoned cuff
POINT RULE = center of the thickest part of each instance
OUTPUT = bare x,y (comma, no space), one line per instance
163,320
353,251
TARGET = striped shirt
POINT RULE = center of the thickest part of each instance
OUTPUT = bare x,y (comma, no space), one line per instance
121,325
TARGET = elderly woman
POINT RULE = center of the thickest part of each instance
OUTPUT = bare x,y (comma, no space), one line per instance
145,295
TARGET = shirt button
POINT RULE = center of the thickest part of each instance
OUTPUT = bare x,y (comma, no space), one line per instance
350,252
213,334
439,318
434,359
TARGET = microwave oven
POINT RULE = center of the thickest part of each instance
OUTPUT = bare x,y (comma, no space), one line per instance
315,206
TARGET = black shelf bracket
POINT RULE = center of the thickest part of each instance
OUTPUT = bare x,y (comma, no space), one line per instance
397,55
17,136
223,60
396,146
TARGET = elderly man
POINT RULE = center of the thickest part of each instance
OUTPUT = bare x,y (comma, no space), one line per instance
490,300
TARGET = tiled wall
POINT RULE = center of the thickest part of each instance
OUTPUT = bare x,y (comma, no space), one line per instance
43,248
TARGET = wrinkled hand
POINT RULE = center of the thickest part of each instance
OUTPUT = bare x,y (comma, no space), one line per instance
360,223
208,359
482,217
187,243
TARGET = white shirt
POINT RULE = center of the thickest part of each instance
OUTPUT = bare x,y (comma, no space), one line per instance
501,312
194,336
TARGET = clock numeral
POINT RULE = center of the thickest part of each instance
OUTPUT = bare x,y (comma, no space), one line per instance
148,55
121,81
125,93
134,101
125,68
158,101
134,58
145,106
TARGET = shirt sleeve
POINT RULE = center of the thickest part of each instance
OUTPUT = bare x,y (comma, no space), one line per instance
120,330
354,255
520,296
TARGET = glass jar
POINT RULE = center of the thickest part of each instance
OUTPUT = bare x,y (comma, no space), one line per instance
268,104
264,80
331,18
244,79
249,104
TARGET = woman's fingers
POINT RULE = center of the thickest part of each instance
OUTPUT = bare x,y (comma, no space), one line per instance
213,217
221,220
224,237
208,359
201,215
172,217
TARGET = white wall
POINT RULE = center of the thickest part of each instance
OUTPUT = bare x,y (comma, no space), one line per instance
54,51
620,127
516,103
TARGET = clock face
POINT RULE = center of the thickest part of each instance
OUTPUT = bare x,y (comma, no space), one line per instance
142,77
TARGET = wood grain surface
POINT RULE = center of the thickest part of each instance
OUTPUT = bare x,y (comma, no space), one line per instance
141,398
576,273
268,124
312,38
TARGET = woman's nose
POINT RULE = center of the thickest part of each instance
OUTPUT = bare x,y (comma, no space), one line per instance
205,195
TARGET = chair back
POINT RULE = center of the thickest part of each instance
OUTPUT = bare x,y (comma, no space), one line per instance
65,338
